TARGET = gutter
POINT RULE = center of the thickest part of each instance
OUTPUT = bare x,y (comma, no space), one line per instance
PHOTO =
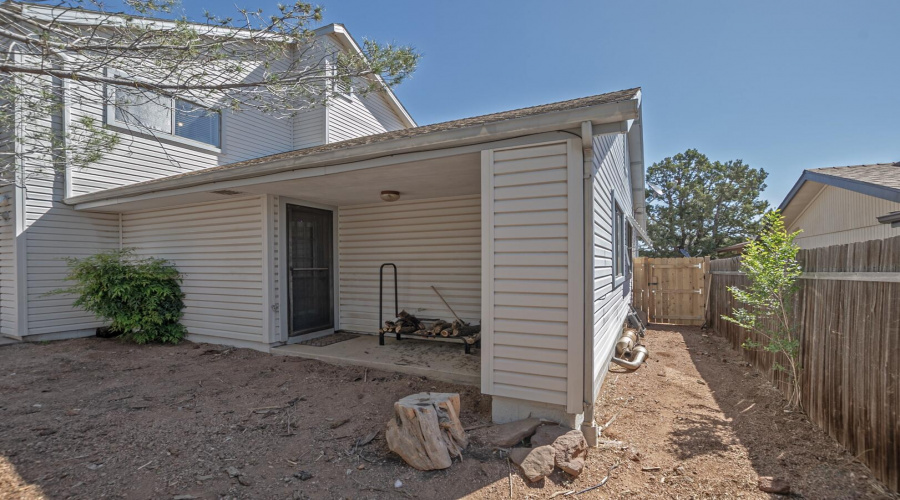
892,218
441,139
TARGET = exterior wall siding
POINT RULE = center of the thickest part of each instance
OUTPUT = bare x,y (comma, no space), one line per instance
433,242
529,244
218,247
839,216
54,231
8,299
610,303
352,116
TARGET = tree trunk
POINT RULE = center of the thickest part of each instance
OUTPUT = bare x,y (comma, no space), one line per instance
426,431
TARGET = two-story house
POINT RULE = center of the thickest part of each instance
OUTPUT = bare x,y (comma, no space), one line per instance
524,220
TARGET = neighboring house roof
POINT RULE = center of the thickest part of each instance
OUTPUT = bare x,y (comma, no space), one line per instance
620,105
892,218
737,247
881,180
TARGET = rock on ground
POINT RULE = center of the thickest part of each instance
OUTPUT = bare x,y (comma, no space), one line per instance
536,463
771,484
547,434
509,434
570,450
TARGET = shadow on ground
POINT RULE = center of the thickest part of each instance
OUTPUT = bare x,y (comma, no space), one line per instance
779,443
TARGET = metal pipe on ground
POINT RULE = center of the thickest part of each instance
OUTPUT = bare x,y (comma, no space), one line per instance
639,355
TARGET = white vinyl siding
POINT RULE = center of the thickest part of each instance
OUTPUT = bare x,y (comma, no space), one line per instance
309,128
529,245
839,216
8,299
218,247
433,242
352,116
53,232
610,303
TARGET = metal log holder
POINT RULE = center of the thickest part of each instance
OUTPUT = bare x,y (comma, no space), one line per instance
466,344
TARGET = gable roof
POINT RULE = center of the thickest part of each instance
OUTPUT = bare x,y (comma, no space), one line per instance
602,108
881,180
345,38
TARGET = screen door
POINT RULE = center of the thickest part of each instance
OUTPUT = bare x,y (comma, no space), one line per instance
311,280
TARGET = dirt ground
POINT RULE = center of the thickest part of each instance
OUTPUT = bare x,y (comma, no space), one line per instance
96,418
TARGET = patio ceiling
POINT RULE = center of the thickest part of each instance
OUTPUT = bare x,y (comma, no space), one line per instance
438,177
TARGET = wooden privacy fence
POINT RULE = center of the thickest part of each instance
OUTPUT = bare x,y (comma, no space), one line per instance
671,290
847,315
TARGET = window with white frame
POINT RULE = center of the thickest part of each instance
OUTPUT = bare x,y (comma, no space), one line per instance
166,116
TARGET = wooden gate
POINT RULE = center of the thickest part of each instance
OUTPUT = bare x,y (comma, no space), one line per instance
672,291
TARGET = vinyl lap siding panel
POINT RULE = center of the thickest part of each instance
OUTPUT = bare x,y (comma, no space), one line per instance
8,291
527,248
434,242
218,247
53,232
840,216
610,304
352,116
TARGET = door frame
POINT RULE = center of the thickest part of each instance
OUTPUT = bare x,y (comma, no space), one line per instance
283,275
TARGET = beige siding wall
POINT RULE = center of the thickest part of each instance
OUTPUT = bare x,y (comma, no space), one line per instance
529,245
610,302
54,231
838,216
141,157
8,299
219,248
433,242
309,128
352,116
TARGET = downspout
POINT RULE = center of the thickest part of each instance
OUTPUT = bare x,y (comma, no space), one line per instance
589,428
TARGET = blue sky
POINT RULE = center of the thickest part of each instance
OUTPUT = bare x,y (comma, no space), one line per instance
783,85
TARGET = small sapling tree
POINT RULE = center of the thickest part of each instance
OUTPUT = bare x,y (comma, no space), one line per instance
771,266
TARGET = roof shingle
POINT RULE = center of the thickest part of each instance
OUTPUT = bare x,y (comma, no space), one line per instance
880,174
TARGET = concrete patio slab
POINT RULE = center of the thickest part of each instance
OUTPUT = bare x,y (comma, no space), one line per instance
437,360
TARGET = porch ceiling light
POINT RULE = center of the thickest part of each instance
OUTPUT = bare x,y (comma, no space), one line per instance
390,196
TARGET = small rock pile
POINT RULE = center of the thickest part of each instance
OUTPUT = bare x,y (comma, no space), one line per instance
552,446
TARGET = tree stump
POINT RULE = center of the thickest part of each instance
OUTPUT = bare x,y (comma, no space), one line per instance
426,431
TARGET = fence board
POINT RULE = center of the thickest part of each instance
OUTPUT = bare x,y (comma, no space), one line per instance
849,331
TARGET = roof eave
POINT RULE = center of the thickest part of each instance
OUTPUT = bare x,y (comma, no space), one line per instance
341,32
529,125
867,188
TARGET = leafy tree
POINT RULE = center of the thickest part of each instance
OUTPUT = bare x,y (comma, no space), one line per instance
269,62
704,204
140,297
771,266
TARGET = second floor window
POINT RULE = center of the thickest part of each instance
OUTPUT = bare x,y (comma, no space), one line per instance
166,115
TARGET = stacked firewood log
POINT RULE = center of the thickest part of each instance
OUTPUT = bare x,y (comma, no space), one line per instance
408,324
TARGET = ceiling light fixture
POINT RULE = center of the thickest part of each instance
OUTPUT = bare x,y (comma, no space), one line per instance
390,196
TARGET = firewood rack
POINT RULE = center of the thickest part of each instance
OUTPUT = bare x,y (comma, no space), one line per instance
465,340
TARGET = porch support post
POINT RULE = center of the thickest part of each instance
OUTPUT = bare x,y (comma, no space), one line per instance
576,302
589,428
269,305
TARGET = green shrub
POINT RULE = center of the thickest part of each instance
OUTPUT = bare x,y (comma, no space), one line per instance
140,297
